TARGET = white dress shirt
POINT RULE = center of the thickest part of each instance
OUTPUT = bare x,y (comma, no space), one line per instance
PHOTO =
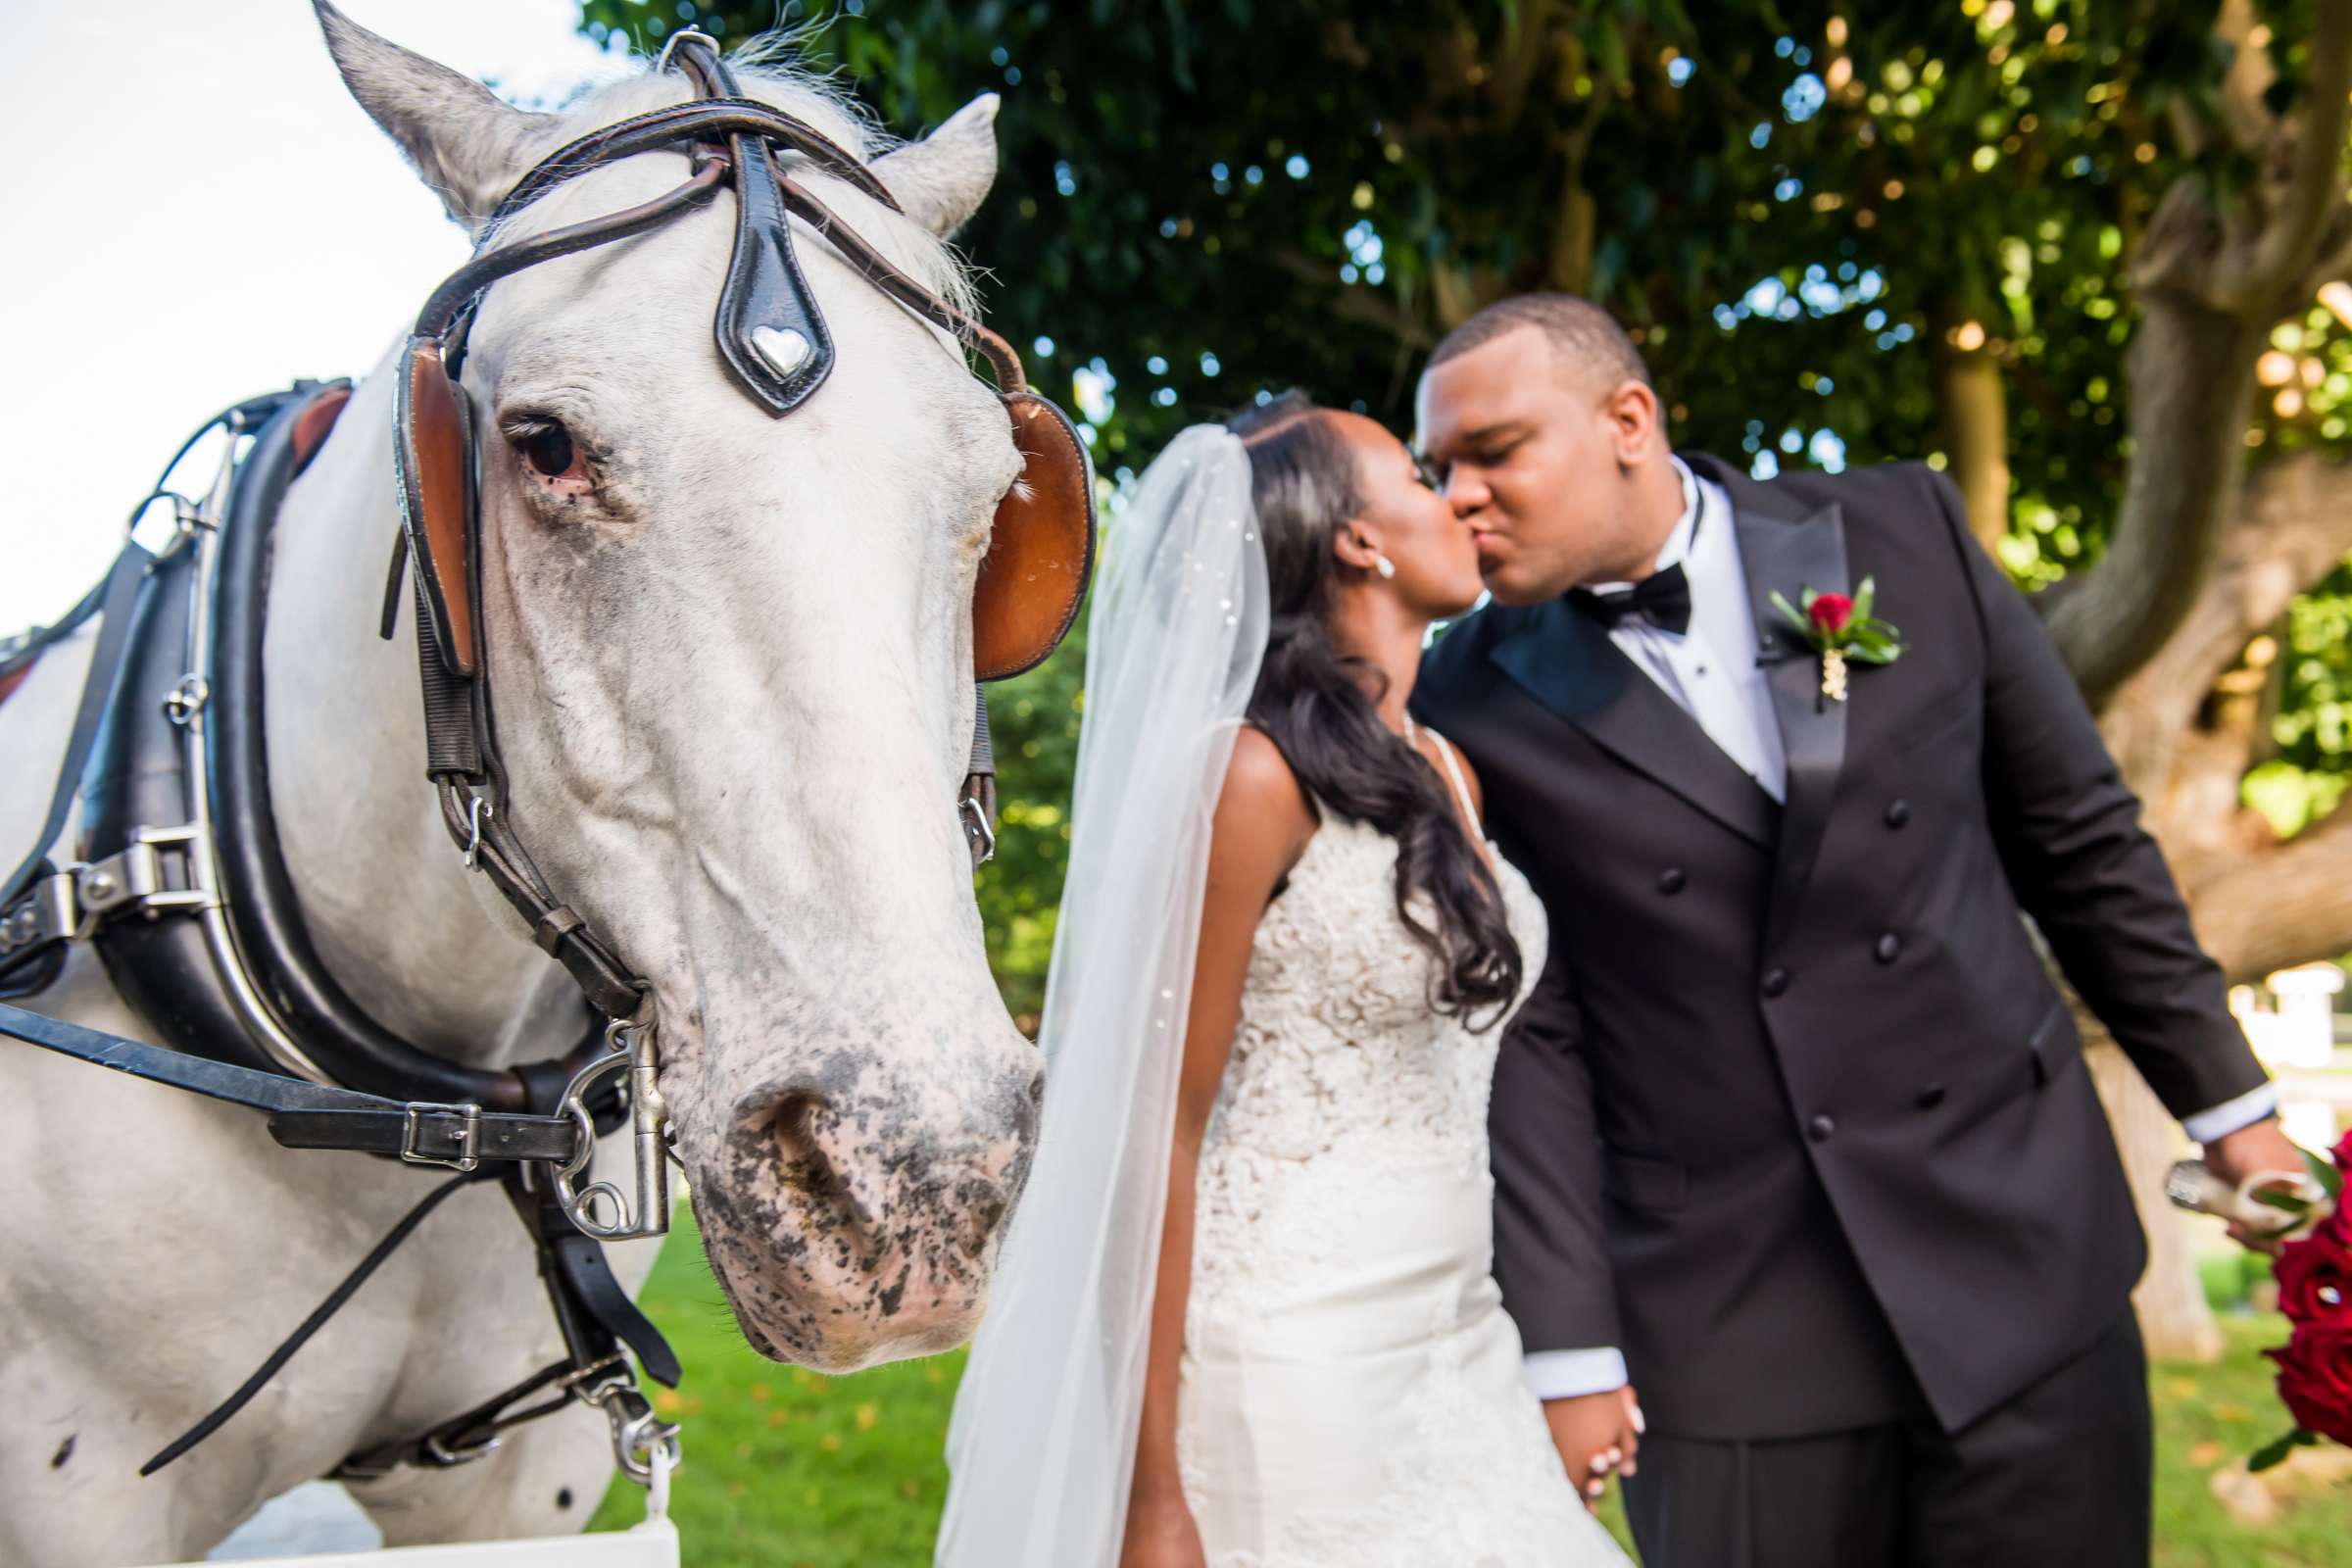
1711,672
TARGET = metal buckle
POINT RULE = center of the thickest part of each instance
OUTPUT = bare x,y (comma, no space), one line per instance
477,808
71,904
45,915
134,879
677,38
977,832
470,1142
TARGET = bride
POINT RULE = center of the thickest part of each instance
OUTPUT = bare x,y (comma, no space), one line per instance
1245,1317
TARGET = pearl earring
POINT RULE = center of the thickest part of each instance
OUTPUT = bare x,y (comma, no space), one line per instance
1384,565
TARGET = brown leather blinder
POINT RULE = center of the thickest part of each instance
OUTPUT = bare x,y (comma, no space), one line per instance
1035,574
1026,598
434,467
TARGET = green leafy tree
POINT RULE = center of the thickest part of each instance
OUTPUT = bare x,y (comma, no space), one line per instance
2091,255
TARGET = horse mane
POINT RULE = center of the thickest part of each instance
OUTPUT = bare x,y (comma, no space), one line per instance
769,68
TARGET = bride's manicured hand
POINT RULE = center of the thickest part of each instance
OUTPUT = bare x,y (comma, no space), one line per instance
1160,1533
1597,1435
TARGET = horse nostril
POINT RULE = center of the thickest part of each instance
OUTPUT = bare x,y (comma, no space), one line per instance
792,1114
797,1126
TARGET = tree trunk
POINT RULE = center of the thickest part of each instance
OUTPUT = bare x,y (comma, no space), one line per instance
2174,1316
2191,372
1975,406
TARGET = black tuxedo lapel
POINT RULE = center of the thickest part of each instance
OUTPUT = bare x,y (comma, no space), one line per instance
1564,659
1785,553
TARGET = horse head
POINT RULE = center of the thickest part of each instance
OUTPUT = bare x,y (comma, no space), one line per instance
731,660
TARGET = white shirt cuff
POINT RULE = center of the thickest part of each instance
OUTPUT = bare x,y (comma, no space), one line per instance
1568,1373
2210,1126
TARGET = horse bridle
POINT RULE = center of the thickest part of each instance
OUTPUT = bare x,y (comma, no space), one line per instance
773,340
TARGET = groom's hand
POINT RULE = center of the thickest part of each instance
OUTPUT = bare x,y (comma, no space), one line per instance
1597,1435
2249,1151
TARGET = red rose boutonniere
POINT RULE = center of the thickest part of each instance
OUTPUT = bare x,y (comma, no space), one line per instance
1840,628
2315,1293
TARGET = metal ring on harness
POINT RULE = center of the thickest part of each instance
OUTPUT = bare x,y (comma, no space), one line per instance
186,518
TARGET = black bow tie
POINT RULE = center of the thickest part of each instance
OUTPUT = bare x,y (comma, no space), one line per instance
1663,599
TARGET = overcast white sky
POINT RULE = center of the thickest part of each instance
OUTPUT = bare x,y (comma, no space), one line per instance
199,213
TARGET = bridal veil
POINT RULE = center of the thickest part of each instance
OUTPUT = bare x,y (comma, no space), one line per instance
1043,1434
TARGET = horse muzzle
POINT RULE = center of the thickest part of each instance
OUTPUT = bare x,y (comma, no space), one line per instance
854,1213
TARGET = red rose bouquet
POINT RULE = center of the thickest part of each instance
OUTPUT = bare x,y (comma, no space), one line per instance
2315,1293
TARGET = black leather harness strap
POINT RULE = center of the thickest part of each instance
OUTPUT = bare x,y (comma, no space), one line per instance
308,1115
596,1318
221,1414
595,1314
116,598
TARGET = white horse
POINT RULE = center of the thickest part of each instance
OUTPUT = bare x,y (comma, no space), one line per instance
733,665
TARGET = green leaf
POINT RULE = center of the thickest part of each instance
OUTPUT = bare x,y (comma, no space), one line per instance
2280,1198
1795,617
1862,599
2274,1454
2323,1171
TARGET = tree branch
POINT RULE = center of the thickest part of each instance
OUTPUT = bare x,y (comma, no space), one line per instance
2313,148
2191,370
2212,282
2290,905
2292,525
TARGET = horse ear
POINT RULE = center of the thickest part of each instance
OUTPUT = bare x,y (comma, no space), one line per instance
466,144
941,179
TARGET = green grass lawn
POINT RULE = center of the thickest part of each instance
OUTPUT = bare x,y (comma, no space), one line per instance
785,1469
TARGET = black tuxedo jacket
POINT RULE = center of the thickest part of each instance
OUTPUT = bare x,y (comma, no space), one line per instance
1796,1116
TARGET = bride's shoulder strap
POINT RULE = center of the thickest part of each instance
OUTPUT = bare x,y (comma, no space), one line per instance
1461,786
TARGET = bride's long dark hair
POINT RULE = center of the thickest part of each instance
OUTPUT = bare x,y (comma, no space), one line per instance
1316,705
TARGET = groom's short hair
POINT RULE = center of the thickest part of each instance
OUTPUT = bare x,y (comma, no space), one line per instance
1585,337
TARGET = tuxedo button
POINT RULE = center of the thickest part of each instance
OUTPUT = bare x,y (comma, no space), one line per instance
1887,947
1820,1128
1672,880
1930,1097
1898,813
1775,981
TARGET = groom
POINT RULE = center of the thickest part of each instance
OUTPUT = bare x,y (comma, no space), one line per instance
1796,1129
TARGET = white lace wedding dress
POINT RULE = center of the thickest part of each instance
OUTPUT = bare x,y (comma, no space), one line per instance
1351,1393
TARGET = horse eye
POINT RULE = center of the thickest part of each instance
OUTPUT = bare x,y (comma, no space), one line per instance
548,448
